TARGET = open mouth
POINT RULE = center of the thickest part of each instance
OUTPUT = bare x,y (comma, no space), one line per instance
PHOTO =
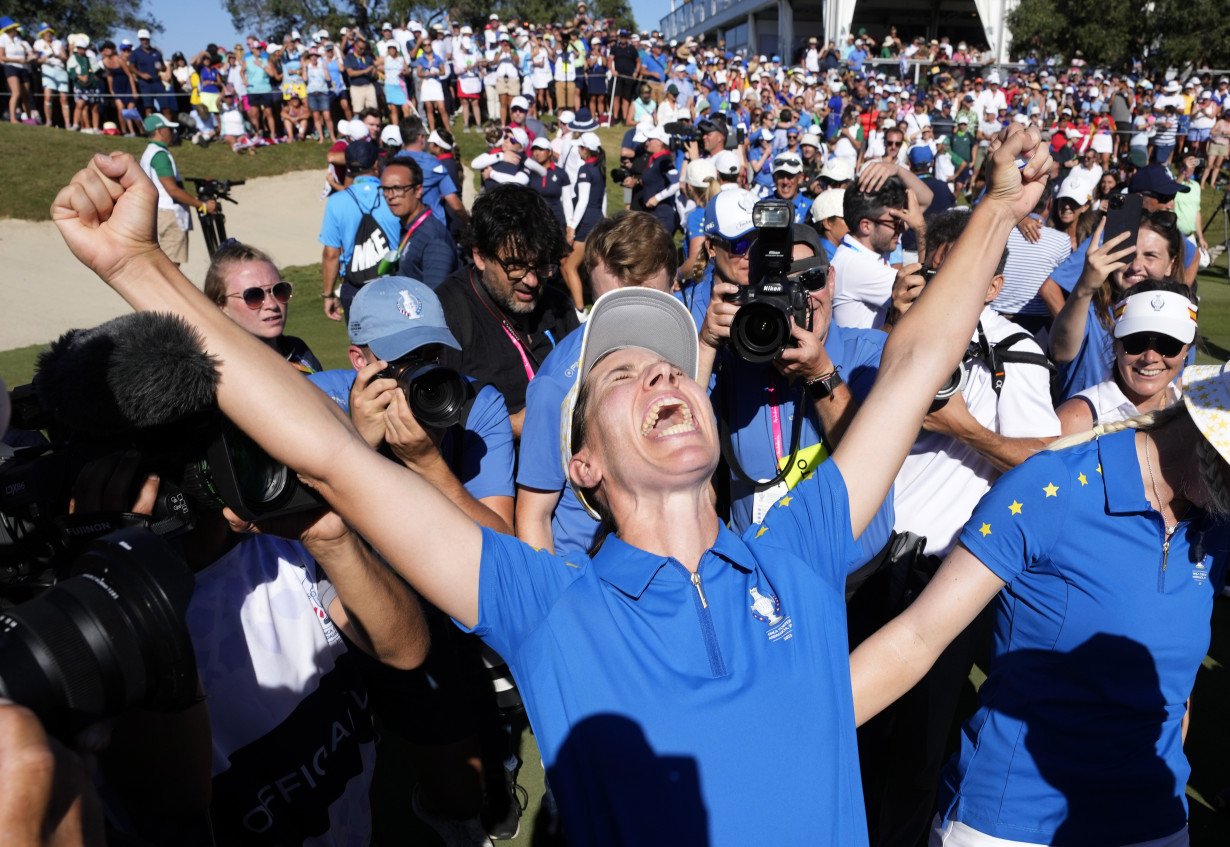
666,417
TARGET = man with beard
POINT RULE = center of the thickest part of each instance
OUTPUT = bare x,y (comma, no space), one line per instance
503,309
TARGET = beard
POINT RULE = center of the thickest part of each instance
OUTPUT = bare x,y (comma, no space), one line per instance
501,291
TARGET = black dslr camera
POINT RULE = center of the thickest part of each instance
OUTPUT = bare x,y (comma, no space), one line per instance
774,298
681,134
438,396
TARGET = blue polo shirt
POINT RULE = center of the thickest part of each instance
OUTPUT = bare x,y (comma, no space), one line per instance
802,207
344,211
437,184
745,395
672,709
541,466
1098,637
482,461
696,296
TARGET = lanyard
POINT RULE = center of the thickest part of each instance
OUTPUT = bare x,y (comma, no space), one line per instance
516,340
775,418
401,248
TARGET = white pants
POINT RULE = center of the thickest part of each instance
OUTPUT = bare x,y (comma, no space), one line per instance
955,834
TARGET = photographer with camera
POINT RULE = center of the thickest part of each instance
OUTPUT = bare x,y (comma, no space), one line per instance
174,221
269,631
457,436
780,365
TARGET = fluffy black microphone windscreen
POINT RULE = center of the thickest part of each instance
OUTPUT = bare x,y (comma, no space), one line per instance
135,372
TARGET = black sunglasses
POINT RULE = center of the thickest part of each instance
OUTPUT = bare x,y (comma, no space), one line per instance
1138,342
254,297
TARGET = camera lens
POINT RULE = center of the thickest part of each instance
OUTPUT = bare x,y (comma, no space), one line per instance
760,331
106,639
437,395
261,480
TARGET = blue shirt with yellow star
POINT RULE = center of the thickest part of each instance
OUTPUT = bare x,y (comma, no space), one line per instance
1099,632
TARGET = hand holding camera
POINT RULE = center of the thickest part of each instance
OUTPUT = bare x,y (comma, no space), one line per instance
911,280
416,447
715,331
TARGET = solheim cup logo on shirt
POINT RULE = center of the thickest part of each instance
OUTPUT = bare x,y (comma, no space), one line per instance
409,305
1200,573
767,608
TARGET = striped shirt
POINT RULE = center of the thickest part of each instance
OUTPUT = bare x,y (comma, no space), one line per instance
1027,268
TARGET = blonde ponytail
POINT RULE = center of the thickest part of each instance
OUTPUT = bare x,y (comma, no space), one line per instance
1142,423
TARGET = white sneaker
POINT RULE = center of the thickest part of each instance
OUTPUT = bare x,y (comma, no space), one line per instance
454,833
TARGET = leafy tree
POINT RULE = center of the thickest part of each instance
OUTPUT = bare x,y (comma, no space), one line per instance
1190,33
1107,32
620,11
96,18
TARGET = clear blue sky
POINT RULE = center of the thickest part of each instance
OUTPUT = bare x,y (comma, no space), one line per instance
189,26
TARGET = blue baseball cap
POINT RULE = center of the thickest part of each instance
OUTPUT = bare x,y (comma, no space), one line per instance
920,155
395,315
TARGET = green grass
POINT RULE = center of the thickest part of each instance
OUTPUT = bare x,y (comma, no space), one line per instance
36,162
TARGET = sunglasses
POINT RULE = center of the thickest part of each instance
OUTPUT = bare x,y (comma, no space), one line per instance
1139,342
735,246
254,297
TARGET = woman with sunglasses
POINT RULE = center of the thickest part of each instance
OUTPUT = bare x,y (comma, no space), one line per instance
1080,342
1154,328
245,284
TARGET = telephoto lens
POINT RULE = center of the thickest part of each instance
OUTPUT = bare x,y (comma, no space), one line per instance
108,638
955,383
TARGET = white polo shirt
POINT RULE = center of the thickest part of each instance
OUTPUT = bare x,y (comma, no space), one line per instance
942,478
864,285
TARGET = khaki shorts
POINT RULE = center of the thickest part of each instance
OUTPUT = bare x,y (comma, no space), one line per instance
363,97
1219,149
509,85
172,239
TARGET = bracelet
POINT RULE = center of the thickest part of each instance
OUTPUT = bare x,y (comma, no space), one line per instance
823,386
328,296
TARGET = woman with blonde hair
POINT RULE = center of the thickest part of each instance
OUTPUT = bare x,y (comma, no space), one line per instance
699,183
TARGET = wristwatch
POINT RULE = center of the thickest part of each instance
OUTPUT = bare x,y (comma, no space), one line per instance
824,385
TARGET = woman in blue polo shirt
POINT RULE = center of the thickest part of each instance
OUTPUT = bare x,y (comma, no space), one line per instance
635,664
1103,560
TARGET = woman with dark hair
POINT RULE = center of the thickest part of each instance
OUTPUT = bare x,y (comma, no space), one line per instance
121,85
1080,342
636,663
1155,326
1103,555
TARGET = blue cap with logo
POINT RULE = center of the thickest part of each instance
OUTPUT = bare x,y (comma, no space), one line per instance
395,315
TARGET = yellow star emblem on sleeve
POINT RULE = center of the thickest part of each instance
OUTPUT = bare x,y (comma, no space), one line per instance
785,501
1082,478
985,529
761,531
1099,468
1015,507
1051,489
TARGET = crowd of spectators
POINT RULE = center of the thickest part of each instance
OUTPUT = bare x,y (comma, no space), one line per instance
644,599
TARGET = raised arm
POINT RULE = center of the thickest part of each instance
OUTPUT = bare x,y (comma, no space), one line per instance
107,217
1068,330
928,342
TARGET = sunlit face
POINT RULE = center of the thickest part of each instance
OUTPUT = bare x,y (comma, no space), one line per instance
372,122
1152,261
1145,375
787,184
514,283
649,426
269,320
730,266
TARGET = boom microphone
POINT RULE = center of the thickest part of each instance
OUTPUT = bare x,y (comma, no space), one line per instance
136,372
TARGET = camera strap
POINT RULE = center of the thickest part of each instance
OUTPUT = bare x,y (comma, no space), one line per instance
996,356
796,432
